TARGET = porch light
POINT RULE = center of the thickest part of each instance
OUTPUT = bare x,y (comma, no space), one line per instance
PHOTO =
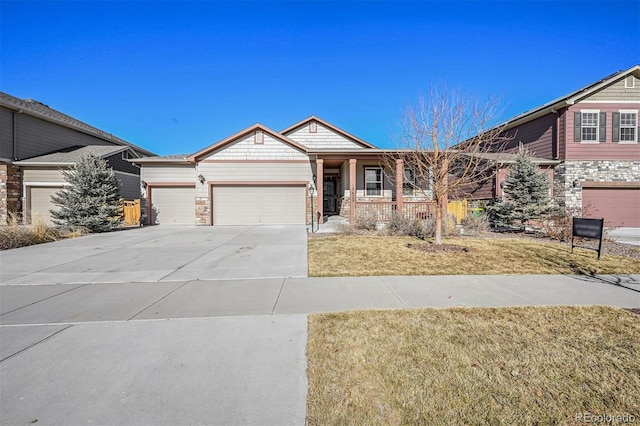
576,183
201,179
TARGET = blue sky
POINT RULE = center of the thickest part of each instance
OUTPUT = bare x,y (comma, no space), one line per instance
175,77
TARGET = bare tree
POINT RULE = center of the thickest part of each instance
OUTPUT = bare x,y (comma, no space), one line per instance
444,140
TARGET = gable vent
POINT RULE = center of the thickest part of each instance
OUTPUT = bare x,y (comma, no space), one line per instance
313,127
258,137
629,82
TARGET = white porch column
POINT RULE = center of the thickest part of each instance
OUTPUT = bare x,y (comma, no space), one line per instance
352,189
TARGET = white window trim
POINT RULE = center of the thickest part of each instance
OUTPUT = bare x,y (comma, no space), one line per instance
628,111
590,111
381,181
412,189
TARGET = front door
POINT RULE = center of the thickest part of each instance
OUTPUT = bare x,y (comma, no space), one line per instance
329,196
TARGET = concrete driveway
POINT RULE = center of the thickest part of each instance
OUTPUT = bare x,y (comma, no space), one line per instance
162,253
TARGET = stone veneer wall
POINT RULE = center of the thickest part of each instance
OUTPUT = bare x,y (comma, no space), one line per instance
203,211
9,191
590,171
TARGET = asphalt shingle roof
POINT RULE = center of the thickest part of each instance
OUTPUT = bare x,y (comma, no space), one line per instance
72,156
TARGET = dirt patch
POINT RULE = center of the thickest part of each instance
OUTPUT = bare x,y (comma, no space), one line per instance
438,248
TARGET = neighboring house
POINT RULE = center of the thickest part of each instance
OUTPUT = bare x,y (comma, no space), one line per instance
36,142
259,176
588,141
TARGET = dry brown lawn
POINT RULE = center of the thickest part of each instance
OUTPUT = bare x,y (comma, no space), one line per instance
353,255
532,366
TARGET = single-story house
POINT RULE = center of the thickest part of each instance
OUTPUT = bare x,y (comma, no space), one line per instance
259,176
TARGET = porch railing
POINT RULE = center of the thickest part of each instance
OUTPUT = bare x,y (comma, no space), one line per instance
385,209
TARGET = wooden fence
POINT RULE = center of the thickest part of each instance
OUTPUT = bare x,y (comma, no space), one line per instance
131,212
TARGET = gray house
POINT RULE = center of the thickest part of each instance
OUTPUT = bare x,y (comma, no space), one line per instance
37,143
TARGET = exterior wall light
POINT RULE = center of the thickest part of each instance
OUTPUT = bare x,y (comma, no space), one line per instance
201,179
576,183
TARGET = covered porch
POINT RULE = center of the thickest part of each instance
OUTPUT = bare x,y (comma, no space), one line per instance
350,184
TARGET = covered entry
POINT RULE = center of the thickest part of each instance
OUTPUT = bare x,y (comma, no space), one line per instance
280,204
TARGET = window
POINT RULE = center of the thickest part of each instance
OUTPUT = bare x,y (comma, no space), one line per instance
628,126
373,181
409,183
589,126
589,129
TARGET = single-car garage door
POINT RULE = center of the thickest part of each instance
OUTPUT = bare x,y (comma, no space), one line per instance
618,206
173,205
259,205
40,202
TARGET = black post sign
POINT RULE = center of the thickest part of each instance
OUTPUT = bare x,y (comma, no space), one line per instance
588,228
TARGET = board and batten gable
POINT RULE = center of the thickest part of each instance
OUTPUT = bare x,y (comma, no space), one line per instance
322,138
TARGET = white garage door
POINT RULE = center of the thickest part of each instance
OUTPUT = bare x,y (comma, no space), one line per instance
259,205
173,205
40,199
618,206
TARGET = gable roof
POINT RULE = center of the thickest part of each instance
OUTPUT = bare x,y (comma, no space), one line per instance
72,155
174,159
226,141
44,112
330,126
569,99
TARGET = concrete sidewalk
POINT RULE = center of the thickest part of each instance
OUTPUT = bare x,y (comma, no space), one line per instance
226,352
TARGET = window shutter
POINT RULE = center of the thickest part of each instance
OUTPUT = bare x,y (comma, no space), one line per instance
577,134
616,127
602,124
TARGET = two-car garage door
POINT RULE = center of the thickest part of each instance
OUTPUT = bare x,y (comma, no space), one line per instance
618,206
259,204
232,205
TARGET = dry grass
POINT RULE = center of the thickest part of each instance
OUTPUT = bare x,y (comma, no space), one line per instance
15,235
472,366
353,255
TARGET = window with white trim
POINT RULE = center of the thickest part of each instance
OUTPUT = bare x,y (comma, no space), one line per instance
373,181
628,126
589,127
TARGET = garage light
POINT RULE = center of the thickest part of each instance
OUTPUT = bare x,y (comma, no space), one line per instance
201,179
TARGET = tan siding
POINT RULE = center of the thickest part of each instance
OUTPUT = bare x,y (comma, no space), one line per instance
168,173
599,151
323,138
233,171
617,92
247,149
42,175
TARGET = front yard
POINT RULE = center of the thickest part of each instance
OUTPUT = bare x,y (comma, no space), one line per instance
551,365
356,255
